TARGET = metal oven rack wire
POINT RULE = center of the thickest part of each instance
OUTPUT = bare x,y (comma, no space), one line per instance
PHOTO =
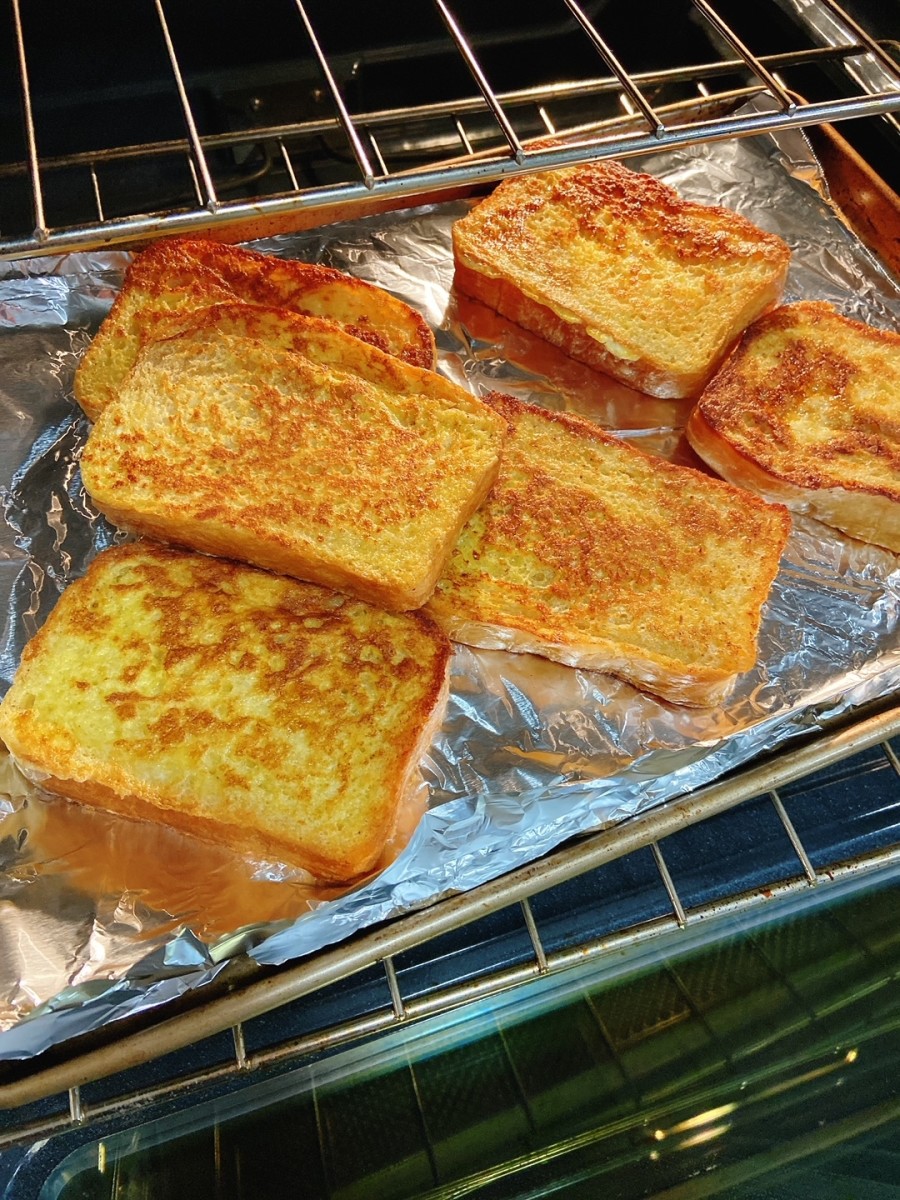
468,139
459,144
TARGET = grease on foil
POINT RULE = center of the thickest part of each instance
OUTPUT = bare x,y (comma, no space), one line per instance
101,918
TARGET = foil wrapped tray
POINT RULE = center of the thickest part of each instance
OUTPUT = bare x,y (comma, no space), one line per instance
101,918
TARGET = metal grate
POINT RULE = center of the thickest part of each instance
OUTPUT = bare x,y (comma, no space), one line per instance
390,156
255,177
616,1077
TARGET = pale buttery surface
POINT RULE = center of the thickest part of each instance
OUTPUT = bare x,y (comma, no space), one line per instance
807,411
276,439
615,268
597,555
273,716
170,279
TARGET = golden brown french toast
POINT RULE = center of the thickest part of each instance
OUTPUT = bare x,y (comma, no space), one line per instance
615,268
282,719
175,276
282,441
807,412
594,554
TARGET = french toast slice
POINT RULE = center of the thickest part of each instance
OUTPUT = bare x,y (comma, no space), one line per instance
594,554
280,440
807,412
173,277
276,717
620,272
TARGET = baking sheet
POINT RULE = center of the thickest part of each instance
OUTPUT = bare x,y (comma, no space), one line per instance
101,918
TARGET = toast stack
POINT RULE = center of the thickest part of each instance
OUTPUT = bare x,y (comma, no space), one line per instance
282,441
171,278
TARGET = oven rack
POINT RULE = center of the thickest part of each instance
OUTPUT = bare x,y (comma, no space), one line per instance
785,1020
128,1076
414,150
75,1095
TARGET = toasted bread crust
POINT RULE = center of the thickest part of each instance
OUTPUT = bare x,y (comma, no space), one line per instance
280,440
616,269
807,412
591,553
272,716
174,277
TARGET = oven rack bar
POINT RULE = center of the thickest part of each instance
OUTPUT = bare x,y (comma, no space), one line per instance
305,208
384,121
380,948
442,166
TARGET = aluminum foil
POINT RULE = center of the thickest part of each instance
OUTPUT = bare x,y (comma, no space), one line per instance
101,918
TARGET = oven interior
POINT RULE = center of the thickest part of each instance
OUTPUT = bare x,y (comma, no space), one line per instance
606,1026
626,1079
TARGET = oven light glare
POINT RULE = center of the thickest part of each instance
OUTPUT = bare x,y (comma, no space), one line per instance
696,1122
705,1135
